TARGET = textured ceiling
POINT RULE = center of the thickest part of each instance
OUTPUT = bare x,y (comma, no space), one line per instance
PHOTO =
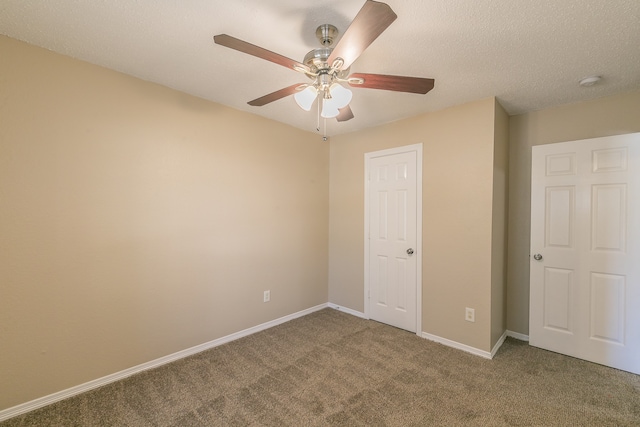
530,54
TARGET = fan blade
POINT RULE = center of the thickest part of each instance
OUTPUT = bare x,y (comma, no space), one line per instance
369,23
345,114
251,49
274,96
397,83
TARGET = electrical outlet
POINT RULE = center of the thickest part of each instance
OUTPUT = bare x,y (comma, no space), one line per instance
469,314
267,296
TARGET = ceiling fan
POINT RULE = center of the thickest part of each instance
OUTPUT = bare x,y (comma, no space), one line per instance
328,67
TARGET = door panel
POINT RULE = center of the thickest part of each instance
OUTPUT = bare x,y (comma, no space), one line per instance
559,216
585,225
608,218
558,299
607,307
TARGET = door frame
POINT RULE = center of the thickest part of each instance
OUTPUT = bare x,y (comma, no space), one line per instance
417,148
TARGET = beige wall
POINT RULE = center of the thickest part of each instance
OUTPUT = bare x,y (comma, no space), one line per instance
136,221
458,153
612,115
499,225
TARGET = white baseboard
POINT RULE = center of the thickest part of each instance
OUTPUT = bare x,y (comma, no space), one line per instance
438,339
348,310
457,345
14,411
518,336
467,348
496,347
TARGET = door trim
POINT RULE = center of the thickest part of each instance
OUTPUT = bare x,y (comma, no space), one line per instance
417,148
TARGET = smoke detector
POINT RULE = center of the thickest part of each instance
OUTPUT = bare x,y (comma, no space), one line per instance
590,81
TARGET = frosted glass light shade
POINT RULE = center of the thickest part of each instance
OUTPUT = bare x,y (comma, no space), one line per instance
305,97
340,95
329,109
340,98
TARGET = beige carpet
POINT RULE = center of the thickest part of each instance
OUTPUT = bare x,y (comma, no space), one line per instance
330,368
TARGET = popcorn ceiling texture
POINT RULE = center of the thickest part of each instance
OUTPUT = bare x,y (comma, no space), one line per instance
529,54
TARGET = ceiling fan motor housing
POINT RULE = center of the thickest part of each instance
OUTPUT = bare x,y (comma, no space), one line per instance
317,59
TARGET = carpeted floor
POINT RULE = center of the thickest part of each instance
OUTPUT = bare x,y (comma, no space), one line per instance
331,368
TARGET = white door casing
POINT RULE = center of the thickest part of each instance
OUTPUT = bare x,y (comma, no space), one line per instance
585,223
393,236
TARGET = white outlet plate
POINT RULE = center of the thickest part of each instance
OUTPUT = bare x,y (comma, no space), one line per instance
469,314
267,296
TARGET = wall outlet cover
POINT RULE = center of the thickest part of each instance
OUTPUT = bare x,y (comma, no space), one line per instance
470,314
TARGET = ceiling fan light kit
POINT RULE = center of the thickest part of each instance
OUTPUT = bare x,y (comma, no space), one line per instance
329,67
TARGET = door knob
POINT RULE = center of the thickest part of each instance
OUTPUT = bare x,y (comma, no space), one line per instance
410,251
537,257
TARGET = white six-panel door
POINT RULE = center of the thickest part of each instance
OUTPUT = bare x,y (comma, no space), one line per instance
392,243
585,250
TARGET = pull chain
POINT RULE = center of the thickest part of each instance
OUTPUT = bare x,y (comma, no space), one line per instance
324,133
318,120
